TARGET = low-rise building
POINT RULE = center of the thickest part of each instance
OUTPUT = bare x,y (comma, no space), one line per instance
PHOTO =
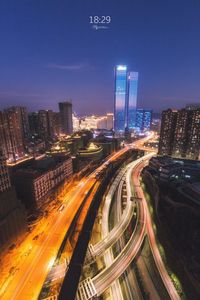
91,153
34,183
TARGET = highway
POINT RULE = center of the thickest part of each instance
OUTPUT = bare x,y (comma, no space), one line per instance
152,241
158,259
104,279
111,237
44,251
131,287
116,267
108,256
27,281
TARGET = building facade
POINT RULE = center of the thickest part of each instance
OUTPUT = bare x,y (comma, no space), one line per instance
180,140
180,133
120,118
193,146
66,117
35,182
132,99
143,120
168,125
4,177
110,119
14,130
46,124
125,102
12,213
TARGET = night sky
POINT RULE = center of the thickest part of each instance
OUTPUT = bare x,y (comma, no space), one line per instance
49,52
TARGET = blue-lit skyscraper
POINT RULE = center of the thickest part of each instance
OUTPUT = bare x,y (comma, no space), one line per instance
125,99
139,120
132,99
120,115
143,120
147,118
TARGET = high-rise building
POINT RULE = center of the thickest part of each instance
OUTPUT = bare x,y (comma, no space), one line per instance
139,119
45,123
33,123
168,125
132,99
13,132
125,99
7,145
25,123
56,123
4,177
66,117
193,147
13,216
181,137
180,133
147,119
143,120
120,121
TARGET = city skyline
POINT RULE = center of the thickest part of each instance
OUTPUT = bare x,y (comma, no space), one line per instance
99,190
55,54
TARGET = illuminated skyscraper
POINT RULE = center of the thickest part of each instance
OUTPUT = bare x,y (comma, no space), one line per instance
168,125
147,119
132,99
125,99
120,121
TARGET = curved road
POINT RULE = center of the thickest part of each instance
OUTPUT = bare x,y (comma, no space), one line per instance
104,279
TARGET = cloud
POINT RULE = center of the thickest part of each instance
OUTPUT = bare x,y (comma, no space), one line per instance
19,94
75,67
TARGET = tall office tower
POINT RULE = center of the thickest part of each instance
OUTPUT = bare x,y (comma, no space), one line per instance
193,148
143,120
181,133
13,216
139,119
66,117
147,119
125,99
45,124
120,115
132,99
168,124
12,133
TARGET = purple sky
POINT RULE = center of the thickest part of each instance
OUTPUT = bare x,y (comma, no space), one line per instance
49,52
